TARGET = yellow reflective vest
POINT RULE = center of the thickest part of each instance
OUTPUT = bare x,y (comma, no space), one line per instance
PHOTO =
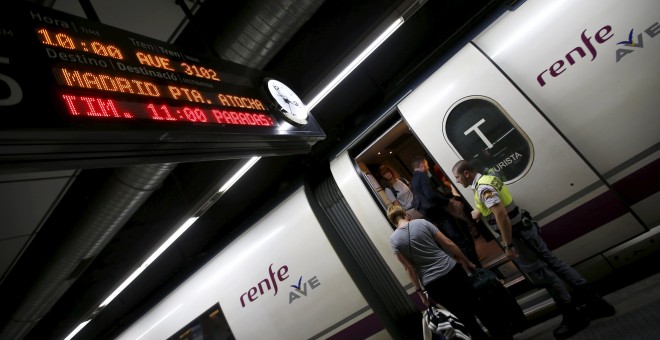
502,192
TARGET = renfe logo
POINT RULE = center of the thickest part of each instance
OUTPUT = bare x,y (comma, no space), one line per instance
601,36
558,67
268,282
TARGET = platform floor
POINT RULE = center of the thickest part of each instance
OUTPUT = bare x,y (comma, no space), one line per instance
638,316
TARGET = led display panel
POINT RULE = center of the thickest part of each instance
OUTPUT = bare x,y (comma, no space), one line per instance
67,78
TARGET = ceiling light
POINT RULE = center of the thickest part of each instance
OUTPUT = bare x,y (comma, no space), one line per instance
149,260
239,174
75,331
355,63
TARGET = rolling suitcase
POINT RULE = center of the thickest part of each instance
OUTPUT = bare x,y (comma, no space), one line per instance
499,311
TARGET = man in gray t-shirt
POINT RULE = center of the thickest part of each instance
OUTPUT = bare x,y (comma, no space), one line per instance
428,258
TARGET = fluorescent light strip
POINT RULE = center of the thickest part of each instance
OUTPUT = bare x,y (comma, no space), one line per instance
75,331
169,241
151,259
355,63
176,234
239,174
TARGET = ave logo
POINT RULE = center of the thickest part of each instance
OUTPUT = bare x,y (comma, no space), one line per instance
302,288
270,284
633,44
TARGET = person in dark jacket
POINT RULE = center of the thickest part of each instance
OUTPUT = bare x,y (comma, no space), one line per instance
428,201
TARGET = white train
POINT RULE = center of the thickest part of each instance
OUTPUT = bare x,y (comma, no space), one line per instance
560,98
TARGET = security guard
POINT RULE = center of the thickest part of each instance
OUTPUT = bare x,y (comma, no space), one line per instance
523,243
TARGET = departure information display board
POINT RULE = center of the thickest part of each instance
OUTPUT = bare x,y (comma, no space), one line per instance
62,73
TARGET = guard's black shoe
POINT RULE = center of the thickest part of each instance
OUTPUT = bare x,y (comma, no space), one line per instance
572,323
598,309
593,305
567,330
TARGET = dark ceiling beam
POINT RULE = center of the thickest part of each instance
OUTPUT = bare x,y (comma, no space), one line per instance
113,207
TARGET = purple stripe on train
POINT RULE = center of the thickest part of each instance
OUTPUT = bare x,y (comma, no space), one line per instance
604,208
362,329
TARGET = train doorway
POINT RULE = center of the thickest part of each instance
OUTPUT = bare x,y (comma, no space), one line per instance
395,150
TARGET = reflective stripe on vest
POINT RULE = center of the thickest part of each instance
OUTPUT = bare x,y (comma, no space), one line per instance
502,192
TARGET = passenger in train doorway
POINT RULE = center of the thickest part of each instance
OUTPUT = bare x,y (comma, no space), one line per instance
459,210
523,243
397,190
436,208
430,259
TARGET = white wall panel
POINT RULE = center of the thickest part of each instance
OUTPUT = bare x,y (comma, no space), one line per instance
607,108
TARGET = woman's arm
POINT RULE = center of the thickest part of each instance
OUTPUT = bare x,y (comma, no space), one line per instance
412,274
454,251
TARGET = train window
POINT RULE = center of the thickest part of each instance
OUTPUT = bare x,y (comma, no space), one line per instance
480,130
210,325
